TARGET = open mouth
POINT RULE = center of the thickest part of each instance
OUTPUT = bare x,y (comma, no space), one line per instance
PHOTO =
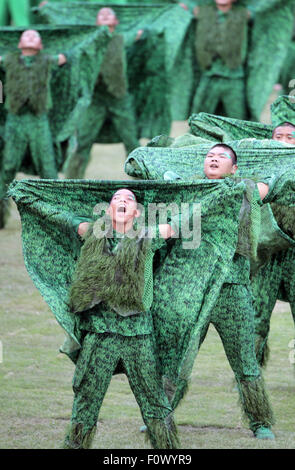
121,209
213,165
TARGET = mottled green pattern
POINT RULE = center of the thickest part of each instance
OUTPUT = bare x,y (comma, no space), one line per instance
215,90
256,158
288,69
270,31
96,364
54,204
149,90
102,318
274,281
183,304
33,132
71,85
106,115
16,12
259,156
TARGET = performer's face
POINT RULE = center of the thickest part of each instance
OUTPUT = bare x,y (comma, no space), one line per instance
30,39
123,207
285,134
106,17
224,3
218,163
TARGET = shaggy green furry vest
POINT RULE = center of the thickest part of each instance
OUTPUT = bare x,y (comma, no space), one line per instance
113,67
122,278
27,85
221,39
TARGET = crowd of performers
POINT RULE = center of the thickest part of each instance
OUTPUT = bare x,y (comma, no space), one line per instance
133,297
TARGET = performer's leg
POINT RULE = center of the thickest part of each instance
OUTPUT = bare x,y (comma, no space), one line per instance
142,370
4,13
123,117
88,131
288,276
234,98
41,146
182,382
20,12
207,95
16,140
94,369
233,318
265,287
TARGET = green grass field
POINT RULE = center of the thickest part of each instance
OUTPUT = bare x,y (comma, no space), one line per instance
35,379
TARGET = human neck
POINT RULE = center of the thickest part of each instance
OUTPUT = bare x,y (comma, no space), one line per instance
29,52
224,9
123,227
111,29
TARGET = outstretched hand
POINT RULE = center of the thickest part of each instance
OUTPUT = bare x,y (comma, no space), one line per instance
82,229
62,59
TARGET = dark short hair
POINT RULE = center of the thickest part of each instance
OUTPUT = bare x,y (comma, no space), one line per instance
231,151
283,124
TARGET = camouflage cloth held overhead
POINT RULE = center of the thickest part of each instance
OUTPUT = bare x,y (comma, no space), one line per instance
263,34
258,155
48,208
110,103
150,91
271,31
185,157
222,129
70,87
221,203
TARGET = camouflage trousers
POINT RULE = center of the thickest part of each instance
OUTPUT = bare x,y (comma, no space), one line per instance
275,280
212,91
28,131
103,109
233,318
96,364
15,11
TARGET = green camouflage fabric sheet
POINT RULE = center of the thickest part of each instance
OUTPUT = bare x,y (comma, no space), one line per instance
222,129
270,31
150,90
288,69
259,156
47,209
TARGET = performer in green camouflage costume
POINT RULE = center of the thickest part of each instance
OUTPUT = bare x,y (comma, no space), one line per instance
232,315
69,90
221,49
276,280
111,299
172,53
28,100
110,100
48,210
